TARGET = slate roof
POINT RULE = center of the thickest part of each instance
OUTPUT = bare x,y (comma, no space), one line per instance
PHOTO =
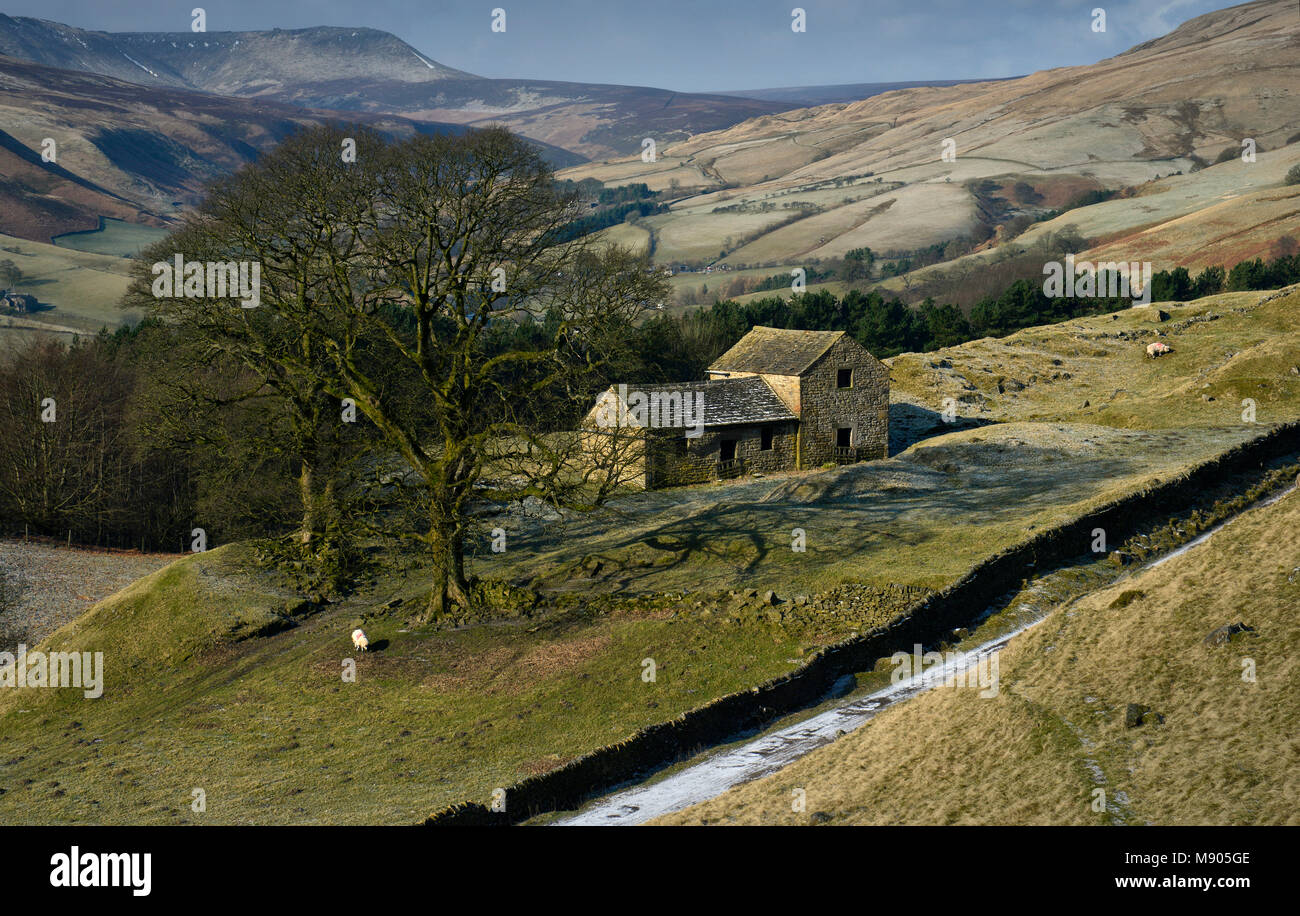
730,401
776,351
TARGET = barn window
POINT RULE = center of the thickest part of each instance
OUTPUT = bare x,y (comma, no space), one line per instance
765,439
844,378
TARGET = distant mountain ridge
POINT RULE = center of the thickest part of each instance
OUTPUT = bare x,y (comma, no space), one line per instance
361,69
226,63
810,96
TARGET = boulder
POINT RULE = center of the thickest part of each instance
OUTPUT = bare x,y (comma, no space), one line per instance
1223,635
1135,714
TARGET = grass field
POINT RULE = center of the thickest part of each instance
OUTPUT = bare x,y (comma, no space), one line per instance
115,237
83,287
271,732
209,685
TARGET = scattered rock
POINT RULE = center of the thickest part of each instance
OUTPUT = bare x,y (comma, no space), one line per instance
769,597
1127,597
1158,315
1135,714
960,633
1223,635
1120,558
800,600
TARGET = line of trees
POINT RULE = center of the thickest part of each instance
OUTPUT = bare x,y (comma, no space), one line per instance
888,326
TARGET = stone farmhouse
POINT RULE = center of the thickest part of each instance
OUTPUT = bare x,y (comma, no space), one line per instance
17,302
778,400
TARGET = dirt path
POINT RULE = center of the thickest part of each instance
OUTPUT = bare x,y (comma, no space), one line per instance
51,585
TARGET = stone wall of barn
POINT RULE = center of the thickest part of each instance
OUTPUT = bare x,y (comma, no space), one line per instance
667,468
864,407
620,450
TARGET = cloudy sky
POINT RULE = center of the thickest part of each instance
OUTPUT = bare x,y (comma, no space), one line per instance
693,45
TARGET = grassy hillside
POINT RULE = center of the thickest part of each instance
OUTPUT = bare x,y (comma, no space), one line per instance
266,726
218,677
1227,348
84,287
1219,750
1149,123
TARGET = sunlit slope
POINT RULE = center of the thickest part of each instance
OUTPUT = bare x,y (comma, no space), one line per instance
1216,747
1160,109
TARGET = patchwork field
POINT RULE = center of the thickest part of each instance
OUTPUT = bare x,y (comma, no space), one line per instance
1152,121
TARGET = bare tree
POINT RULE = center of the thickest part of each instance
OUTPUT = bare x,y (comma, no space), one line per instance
422,282
289,216
461,242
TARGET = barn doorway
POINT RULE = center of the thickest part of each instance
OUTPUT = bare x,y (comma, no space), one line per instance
844,437
727,450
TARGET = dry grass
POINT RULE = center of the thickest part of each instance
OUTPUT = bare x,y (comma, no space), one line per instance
1227,751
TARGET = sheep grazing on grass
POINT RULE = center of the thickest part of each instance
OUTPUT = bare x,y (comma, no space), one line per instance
1159,348
359,639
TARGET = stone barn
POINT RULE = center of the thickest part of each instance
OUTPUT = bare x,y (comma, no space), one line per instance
778,400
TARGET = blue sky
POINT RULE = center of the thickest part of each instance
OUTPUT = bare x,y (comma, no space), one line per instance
693,45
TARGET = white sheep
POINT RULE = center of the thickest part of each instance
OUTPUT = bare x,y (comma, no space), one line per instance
1159,348
359,639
